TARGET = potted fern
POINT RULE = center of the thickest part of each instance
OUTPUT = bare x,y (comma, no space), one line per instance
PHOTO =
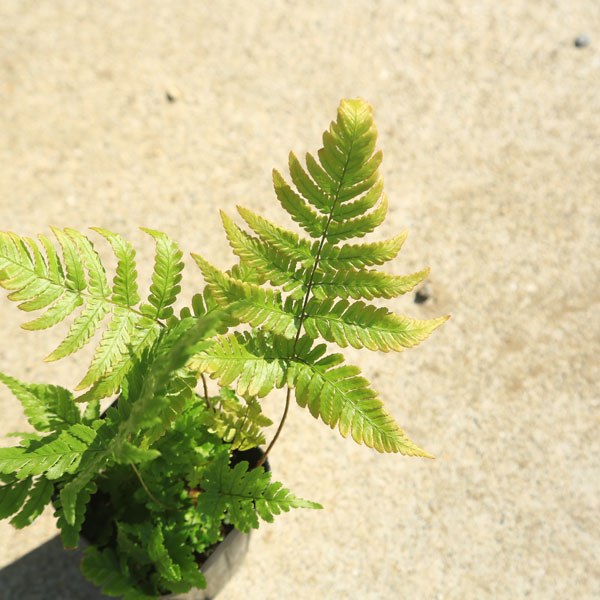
157,482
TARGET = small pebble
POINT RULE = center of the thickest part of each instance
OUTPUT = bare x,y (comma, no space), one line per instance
581,41
421,296
172,94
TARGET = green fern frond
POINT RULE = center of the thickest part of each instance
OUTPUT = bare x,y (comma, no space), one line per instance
97,284
40,496
296,206
307,187
238,423
249,303
241,495
47,407
273,264
13,495
53,456
261,360
69,531
287,242
104,569
358,227
124,291
109,382
113,345
79,280
166,277
364,283
160,556
361,255
344,211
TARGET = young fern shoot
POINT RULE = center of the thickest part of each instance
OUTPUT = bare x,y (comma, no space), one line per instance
317,288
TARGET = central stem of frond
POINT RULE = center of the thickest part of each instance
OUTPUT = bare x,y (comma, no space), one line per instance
307,296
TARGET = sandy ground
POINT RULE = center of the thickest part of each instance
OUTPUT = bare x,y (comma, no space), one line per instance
489,118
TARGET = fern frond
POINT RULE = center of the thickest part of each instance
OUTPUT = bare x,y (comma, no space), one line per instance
124,291
291,244
296,206
348,168
97,284
237,423
103,568
160,556
40,496
344,211
60,286
242,495
13,495
309,190
82,329
112,346
358,227
365,283
275,265
69,531
47,407
53,456
261,358
109,382
57,313
249,303
365,326
94,458
75,275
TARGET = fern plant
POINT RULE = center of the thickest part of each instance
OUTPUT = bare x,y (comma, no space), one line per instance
154,483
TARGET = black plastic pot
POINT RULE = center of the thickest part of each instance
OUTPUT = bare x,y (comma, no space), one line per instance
220,566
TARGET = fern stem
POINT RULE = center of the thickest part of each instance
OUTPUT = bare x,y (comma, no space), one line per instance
241,426
205,391
307,295
152,497
279,428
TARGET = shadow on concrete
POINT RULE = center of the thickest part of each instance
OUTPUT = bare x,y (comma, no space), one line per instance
48,572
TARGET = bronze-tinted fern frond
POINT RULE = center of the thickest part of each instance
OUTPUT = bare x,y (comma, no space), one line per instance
336,198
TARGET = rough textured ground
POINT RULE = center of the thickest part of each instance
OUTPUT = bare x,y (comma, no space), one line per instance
489,117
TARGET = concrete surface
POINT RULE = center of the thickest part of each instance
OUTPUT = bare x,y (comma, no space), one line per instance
489,117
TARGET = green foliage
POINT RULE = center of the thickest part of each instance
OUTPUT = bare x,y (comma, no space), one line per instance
338,197
159,478
244,495
79,280
239,423
47,407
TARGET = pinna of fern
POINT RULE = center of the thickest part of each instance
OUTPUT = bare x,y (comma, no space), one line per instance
317,289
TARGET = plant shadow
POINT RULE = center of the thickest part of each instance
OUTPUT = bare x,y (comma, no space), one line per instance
49,571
